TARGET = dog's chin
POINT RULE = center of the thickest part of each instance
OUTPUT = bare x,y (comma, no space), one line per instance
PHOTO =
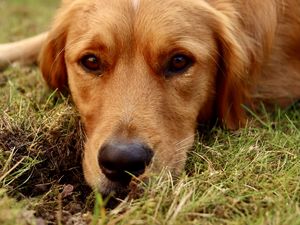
114,192
109,188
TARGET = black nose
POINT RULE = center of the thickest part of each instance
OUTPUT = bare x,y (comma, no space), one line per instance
120,160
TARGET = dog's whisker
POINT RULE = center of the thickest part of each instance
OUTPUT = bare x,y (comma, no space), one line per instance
187,139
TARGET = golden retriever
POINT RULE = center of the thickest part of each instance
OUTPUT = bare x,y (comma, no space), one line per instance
144,73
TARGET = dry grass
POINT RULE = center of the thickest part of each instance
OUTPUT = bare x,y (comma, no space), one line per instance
249,177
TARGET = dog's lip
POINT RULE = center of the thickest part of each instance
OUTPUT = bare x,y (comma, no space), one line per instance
114,196
117,190
113,188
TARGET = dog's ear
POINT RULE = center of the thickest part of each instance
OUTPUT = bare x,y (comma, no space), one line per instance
242,46
52,61
232,63
52,56
231,77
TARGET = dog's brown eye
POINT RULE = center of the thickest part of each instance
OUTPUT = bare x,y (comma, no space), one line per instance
178,64
91,63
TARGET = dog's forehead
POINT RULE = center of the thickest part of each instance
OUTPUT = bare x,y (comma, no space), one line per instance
134,10
135,4
132,23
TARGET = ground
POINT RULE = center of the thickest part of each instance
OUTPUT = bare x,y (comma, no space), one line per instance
247,177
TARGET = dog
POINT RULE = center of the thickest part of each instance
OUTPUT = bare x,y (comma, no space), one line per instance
143,74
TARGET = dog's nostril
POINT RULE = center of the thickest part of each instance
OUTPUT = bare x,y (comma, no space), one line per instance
119,160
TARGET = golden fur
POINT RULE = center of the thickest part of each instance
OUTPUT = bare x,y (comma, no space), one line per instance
244,52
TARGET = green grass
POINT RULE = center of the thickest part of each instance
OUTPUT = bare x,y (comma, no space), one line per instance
247,177
22,18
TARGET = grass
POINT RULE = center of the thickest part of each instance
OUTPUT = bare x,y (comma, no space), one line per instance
247,177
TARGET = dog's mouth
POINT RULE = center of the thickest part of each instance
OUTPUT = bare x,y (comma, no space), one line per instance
114,192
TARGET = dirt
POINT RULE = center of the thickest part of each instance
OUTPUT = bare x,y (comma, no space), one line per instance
57,179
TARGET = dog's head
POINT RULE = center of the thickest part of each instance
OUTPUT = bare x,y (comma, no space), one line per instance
143,74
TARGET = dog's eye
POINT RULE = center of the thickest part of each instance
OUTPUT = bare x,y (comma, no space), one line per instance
178,64
91,63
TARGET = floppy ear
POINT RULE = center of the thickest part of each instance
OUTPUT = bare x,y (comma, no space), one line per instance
243,44
52,61
231,81
52,56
